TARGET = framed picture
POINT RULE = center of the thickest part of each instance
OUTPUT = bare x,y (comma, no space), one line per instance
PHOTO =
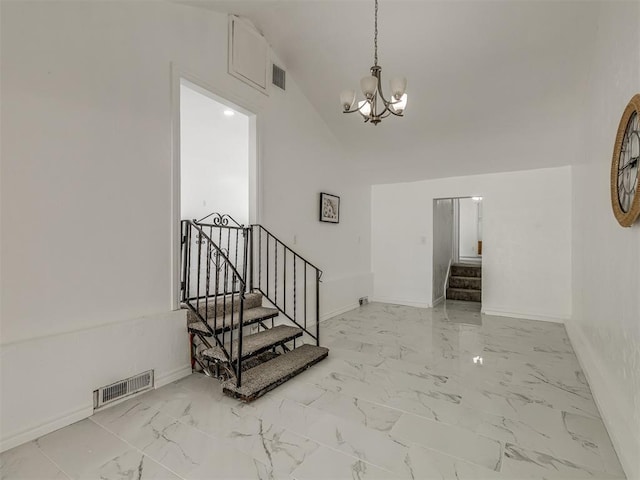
329,208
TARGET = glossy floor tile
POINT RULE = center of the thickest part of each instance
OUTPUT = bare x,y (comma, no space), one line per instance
405,393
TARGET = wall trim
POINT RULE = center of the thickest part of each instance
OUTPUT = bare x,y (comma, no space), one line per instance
339,311
48,426
526,316
173,375
398,301
614,411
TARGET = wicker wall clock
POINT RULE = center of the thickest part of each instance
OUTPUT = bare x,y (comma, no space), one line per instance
625,174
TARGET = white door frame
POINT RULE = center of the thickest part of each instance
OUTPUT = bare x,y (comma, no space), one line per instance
178,77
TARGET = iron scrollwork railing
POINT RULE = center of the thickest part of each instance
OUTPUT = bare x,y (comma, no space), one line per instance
209,275
289,281
221,261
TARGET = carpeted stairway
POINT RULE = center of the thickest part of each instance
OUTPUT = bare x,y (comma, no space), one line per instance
465,282
263,368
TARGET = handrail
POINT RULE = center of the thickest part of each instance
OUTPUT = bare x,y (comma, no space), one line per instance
287,247
265,253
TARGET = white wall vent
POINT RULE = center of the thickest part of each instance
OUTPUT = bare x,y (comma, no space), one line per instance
279,77
248,54
124,388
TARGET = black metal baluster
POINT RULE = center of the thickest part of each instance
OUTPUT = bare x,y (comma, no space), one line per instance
224,298
236,258
275,280
268,264
232,318
198,280
284,278
240,335
317,307
206,293
305,294
295,282
250,259
260,258
217,289
188,267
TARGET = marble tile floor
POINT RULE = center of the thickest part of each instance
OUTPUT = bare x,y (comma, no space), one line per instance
405,393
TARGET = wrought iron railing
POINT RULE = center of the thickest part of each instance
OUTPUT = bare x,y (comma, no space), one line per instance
289,281
214,290
221,261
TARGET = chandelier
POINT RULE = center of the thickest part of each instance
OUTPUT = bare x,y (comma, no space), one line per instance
375,106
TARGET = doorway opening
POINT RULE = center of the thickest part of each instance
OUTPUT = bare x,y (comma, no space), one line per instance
457,250
215,165
214,156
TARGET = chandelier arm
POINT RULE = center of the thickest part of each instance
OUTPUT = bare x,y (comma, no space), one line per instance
351,111
386,102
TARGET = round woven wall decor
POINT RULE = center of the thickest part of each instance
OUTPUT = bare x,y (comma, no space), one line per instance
625,163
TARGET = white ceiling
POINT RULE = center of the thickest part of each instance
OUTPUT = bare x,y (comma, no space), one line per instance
492,85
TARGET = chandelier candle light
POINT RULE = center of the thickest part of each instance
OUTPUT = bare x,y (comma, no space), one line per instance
372,89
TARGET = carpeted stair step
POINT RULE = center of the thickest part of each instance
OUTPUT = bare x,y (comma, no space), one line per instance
473,283
267,376
464,294
466,270
255,343
230,321
223,304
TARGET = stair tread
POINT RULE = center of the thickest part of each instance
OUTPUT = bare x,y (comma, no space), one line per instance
267,376
255,343
458,289
464,277
251,315
220,303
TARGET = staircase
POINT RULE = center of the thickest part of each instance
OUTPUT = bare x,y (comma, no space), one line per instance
465,283
249,325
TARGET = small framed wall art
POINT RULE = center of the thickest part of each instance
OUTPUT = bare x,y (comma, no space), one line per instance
329,208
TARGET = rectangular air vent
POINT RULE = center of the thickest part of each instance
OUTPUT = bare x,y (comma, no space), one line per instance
119,390
279,77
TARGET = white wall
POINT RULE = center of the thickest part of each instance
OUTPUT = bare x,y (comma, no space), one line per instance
605,330
526,241
442,244
214,156
468,227
87,196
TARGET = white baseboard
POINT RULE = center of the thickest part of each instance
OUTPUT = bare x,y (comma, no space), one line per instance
616,413
401,301
526,316
37,431
339,311
168,377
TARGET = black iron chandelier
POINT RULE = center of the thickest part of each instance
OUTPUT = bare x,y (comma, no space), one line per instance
375,106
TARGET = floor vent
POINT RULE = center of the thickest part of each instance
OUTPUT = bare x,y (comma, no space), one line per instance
119,390
279,77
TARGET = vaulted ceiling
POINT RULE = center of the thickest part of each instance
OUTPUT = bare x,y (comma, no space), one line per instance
492,85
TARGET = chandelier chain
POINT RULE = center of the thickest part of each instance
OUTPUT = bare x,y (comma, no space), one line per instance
375,36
